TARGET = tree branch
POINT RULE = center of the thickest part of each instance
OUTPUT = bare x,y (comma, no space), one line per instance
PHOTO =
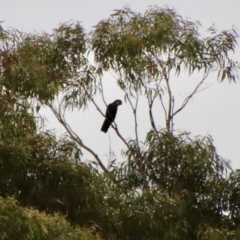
150,104
169,102
164,109
74,136
190,96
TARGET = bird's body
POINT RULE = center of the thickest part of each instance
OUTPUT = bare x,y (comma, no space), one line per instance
110,114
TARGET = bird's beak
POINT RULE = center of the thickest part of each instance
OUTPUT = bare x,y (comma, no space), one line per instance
119,103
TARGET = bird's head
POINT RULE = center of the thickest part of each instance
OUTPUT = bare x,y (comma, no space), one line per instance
118,102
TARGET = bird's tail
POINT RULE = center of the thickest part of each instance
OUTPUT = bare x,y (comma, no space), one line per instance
105,126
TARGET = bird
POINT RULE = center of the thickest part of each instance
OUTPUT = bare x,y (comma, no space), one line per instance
110,114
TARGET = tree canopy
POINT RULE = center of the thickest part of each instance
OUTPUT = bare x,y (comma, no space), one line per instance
169,185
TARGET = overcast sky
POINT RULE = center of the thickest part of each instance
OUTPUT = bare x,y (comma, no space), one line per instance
215,111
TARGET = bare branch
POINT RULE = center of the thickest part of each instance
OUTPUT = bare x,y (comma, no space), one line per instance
150,104
110,154
187,99
173,101
164,108
97,107
136,129
169,102
74,136
102,94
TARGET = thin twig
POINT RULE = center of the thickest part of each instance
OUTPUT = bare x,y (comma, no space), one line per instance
102,94
191,95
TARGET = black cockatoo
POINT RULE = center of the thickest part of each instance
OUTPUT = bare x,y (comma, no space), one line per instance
110,114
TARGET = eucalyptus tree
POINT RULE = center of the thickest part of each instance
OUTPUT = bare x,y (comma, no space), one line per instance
143,51
170,186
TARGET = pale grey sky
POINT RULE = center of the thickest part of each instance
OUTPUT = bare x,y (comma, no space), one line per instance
215,111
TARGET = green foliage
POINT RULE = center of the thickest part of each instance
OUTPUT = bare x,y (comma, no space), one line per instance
48,177
193,177
38,66
28,224
158,41
143,51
